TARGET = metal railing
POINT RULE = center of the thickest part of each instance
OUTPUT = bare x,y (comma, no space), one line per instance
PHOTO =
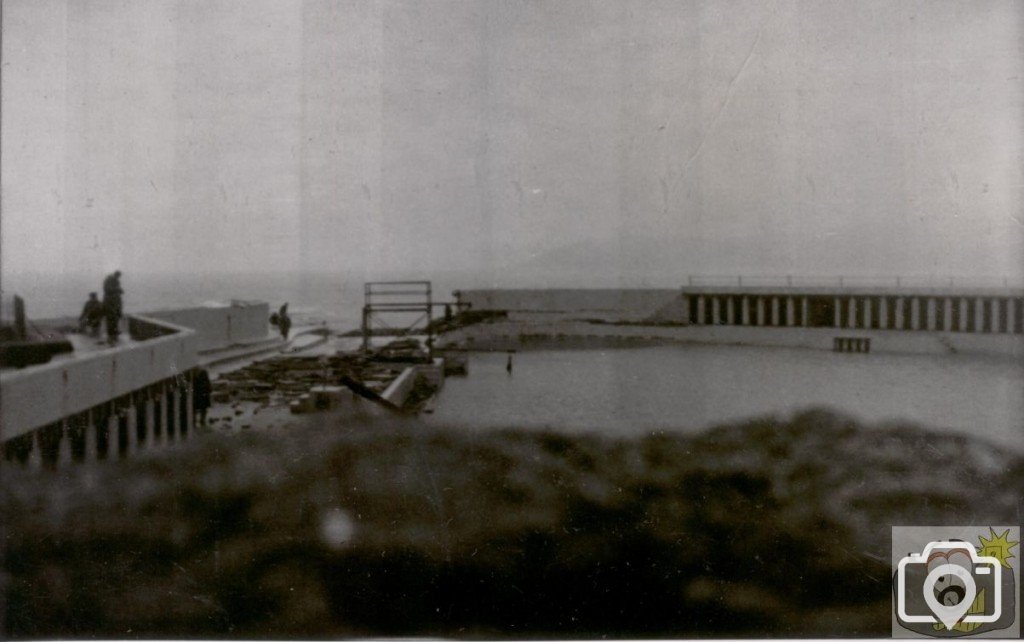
912,281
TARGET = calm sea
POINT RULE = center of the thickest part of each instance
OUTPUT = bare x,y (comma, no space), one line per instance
635,391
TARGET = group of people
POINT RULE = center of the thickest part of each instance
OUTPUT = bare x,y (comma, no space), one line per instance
110,309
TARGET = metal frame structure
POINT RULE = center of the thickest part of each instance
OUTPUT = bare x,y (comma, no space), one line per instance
383,298
401,297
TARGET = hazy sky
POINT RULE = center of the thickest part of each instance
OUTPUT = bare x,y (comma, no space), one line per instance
610,141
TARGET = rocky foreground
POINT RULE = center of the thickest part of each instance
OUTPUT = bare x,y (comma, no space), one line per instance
332,529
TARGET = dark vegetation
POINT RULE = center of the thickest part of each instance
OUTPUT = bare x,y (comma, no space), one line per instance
333,529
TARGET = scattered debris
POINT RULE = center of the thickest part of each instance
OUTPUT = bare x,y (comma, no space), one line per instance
305,383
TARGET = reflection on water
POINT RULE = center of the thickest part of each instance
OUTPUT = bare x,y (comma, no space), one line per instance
625,392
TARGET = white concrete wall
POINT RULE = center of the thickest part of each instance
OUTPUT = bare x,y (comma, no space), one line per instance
38,395
223,326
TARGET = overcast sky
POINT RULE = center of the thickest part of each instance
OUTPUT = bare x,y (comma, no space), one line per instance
618,140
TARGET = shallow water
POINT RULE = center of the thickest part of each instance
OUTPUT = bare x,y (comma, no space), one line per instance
633,391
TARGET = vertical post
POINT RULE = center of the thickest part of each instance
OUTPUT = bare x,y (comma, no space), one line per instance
867,312
759,303
996,316
35,453
979,315
122,430
190,411
837,307
730,310
169,403
78,436
366,323
883,312
701,305
152,419
790,311
1011,315
915,313
111,435
100,442
159,414
140,408
852,316
745,310
64,450
179,411
775,311
430,327
92,438
715,310
183,410
900,311
131,431
947,314
963,315
48,439
931,313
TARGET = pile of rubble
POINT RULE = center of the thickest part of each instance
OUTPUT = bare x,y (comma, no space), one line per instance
290,380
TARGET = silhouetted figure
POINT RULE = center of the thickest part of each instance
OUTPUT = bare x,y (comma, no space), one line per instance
92,315
201,394
284,322
113,305
508,364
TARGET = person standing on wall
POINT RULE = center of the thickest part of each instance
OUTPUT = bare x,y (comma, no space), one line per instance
92,315
113,305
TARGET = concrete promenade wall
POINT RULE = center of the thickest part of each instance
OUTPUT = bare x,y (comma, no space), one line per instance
221,326
953,308
627,304
39,395
537,332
